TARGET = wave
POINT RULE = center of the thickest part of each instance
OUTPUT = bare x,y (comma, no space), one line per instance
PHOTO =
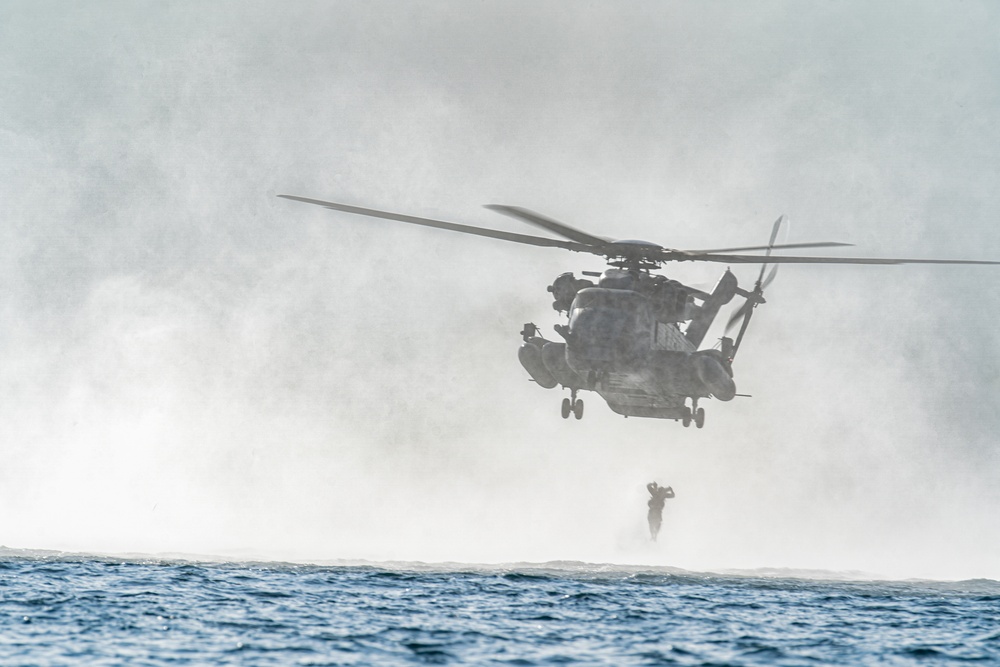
569,569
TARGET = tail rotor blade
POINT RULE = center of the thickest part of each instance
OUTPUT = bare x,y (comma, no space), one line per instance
770,277
770,247
774,232
746,310
739,315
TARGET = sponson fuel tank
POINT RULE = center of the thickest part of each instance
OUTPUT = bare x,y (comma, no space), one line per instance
530,356
545,362
711,372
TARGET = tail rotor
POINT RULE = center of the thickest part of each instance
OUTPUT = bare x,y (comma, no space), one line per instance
753,298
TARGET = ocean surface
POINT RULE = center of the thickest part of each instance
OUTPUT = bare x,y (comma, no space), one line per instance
62,609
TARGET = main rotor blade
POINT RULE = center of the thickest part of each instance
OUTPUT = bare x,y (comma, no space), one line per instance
597,246
548,223
679,256
455,227
781,246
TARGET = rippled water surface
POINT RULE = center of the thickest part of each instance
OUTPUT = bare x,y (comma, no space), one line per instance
60,609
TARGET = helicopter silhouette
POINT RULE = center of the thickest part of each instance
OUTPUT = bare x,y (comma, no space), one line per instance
634,336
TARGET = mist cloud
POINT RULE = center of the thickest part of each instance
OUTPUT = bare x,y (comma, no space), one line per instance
193,364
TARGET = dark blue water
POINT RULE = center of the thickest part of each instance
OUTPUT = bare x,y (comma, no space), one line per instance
59,609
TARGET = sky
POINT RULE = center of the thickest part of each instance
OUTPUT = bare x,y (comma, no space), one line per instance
193,365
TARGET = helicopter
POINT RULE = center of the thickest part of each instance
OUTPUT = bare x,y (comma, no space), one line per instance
634,336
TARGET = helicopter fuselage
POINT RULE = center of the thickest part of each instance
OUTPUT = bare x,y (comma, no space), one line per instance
624,341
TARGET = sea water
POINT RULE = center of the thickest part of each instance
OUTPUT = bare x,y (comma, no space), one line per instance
60,609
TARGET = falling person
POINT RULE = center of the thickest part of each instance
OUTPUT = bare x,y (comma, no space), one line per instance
658,497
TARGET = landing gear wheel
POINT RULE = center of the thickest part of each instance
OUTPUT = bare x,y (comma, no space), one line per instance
578,409
567,407
699,417
686,419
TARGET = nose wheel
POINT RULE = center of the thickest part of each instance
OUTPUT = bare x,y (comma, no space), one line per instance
573,406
